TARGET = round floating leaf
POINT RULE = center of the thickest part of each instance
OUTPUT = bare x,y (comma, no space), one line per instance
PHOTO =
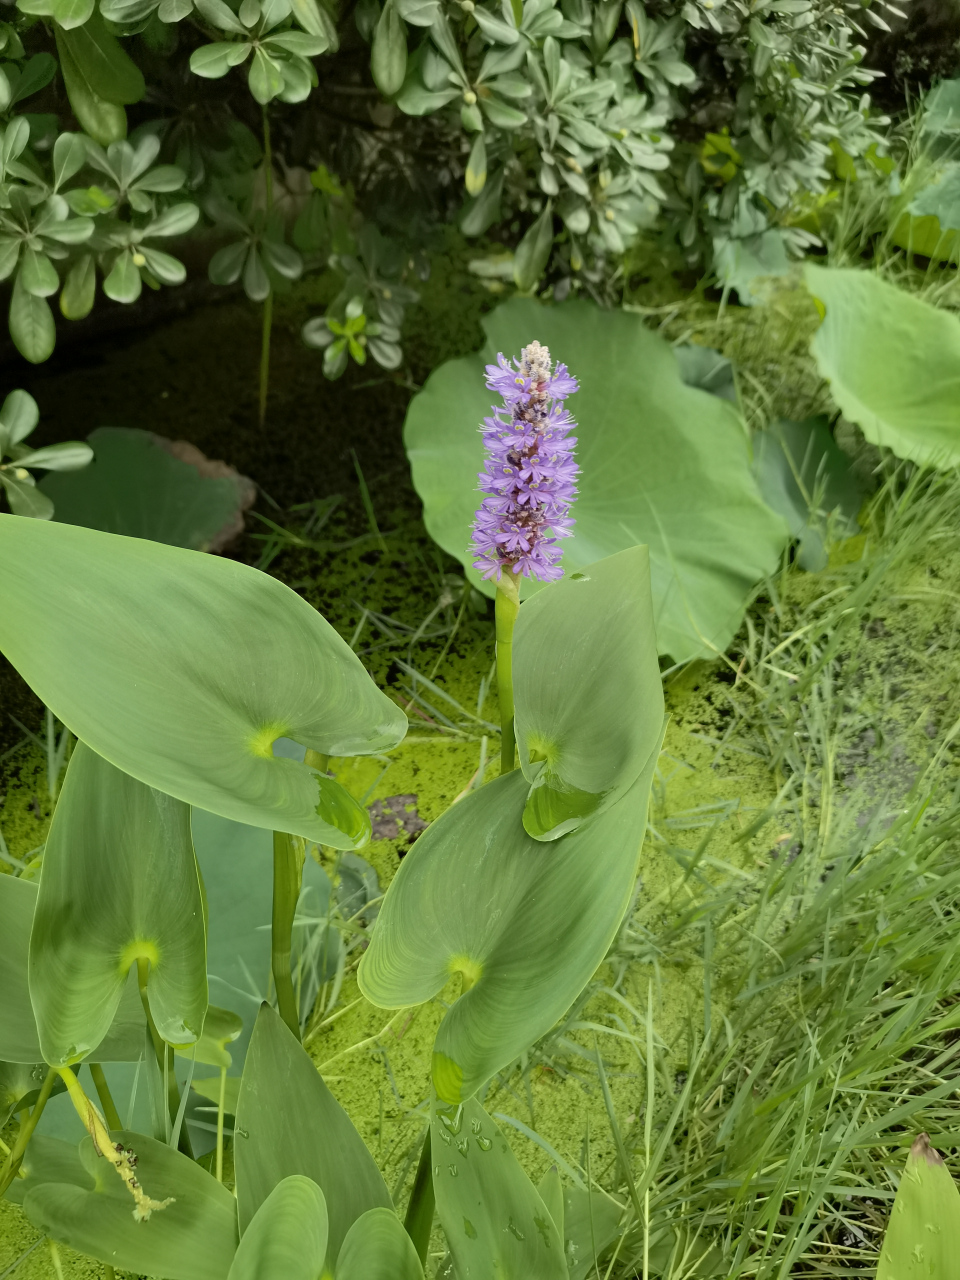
183,669
922,1239
119,883
589,700
892,361
193,1238
19,1037
494,1219
662,464
377,1248
146,487
526,923
288,1122
287,1236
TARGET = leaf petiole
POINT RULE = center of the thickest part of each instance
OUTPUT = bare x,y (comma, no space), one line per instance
507,607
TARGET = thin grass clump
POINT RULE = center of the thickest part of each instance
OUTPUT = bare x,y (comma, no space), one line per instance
768,1129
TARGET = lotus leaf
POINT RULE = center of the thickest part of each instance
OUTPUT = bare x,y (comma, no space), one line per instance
662,463
892,361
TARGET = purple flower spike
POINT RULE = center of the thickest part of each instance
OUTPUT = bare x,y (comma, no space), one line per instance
529,474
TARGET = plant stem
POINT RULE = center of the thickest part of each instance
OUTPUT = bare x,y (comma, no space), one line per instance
419,1219
13,1162
507,605
268,301
110,1113
220,1106
165,1058
55,1258
316,760
265,356
288,855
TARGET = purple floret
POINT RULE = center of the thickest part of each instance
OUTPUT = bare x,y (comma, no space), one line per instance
529,474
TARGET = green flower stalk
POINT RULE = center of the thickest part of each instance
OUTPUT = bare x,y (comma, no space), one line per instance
528,482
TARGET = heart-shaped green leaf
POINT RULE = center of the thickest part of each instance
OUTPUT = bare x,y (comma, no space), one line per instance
589,700
193,1238
183,669
495,1222
591,1223
48,1160
119,883
662,464
19,1037
377,1248
220,1028
287,1236
892,361
525,923
288,1122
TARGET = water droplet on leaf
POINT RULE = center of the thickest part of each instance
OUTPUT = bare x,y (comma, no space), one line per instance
452,1121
